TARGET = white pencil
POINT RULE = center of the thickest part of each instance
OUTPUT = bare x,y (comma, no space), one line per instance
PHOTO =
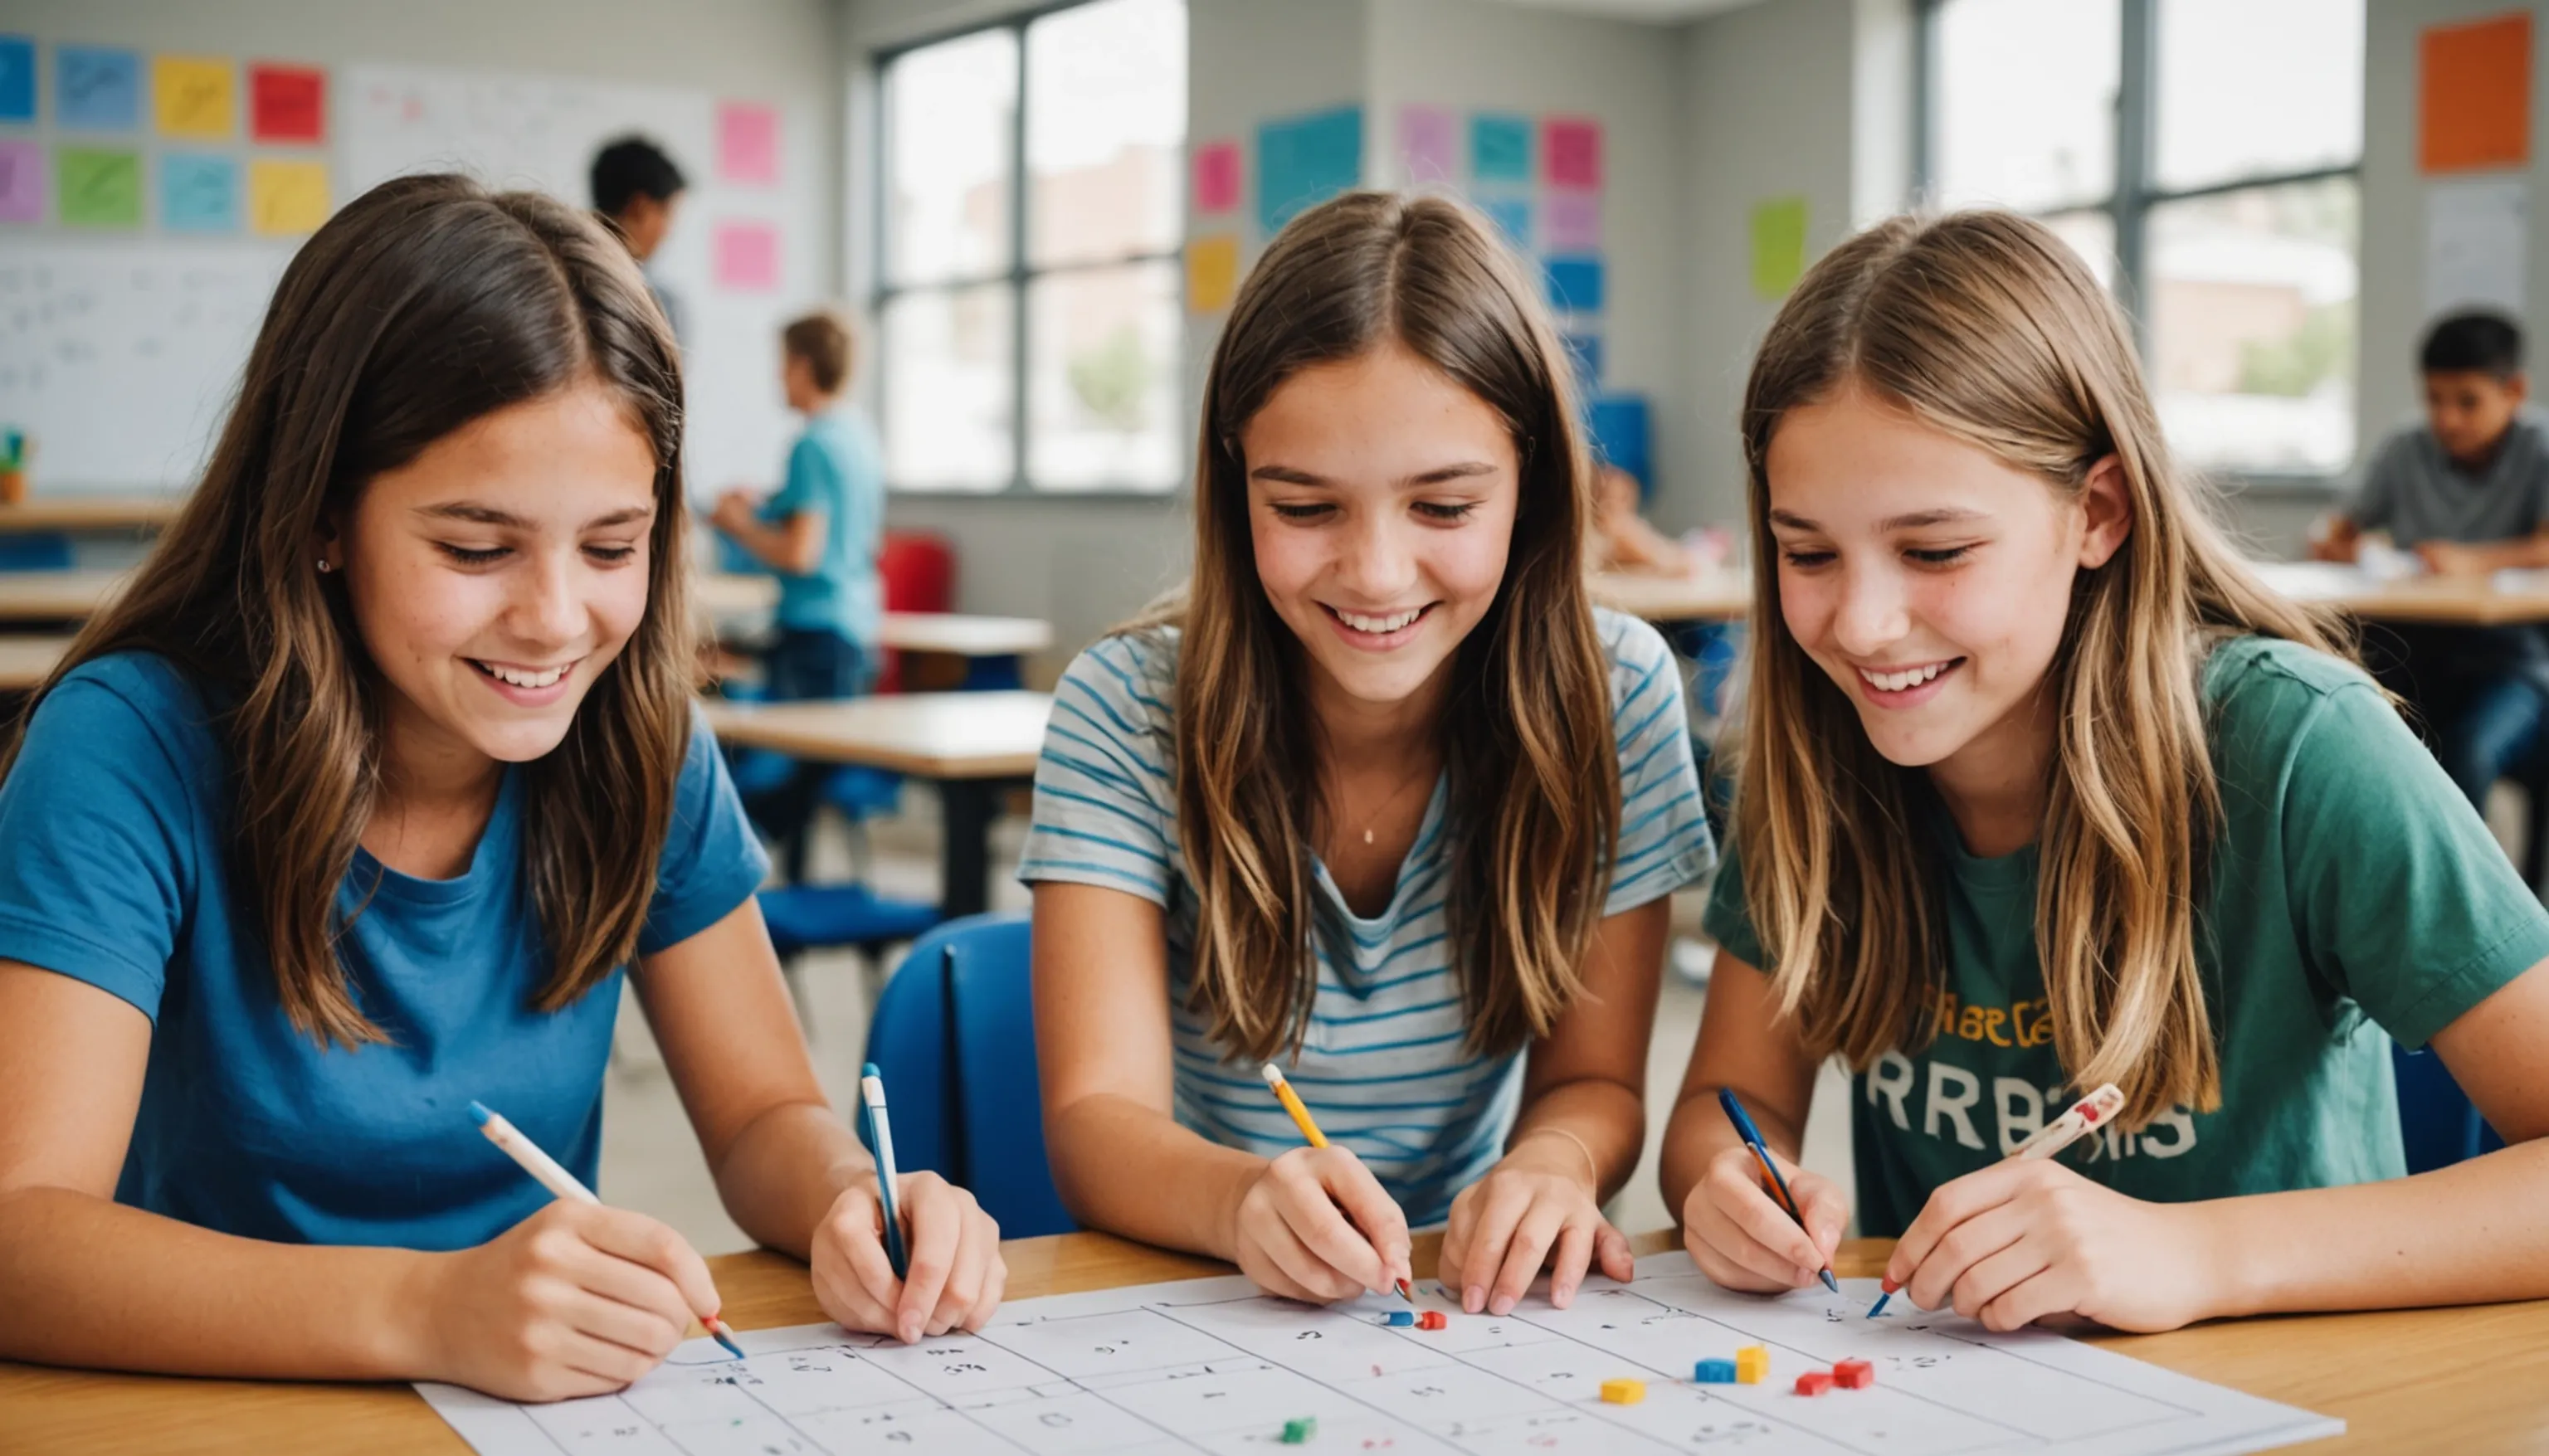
550,1174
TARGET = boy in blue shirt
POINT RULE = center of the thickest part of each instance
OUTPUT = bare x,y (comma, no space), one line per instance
2469,492
819,533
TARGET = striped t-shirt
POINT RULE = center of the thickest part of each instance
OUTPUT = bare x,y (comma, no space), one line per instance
1384,1066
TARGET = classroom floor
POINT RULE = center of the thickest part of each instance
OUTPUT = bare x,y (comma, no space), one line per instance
650,1162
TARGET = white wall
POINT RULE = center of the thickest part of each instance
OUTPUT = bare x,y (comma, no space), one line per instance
1767,112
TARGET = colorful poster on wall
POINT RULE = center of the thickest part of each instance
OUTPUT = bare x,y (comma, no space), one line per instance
1572,152
199,192
1512,217
1212,272
1575,285
746,256
99,187
1429,145
1499,147
1587,350
287,105
17,79
194,96
1778,245
1304,160
1572,222
21,182
1216,177
286,199
747,143
2473,95
97,88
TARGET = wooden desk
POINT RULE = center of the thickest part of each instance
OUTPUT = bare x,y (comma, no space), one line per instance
25,660
2506,598
2466,1382
91,513
55,597
1719,595
971,745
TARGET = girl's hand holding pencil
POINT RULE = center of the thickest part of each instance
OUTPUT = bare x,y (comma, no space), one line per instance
1290,1232
580,1298
1739,1233
956,1273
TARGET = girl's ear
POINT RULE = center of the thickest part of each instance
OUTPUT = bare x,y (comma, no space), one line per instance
2106,506
325,537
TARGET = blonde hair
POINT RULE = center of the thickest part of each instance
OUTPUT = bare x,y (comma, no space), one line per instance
1533,779
1986,326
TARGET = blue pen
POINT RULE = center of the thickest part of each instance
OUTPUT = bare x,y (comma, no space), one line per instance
881,1134
1752,1136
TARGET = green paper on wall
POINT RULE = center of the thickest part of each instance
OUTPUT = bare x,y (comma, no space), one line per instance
1778,245
100,187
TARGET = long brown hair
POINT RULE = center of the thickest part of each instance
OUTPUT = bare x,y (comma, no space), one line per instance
425,304
1533,781
1986,326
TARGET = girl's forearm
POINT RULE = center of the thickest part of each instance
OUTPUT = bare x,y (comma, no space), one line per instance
784,1171
1132,1171
2463,1235
1698,1132
92,1282
1586,1122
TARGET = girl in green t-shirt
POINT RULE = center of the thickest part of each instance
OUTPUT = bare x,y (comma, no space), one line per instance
2038,789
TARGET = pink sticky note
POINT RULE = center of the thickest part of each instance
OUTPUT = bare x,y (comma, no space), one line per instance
747,143
1572,222
1429,140
1216,177
748,256
21,182
1573,148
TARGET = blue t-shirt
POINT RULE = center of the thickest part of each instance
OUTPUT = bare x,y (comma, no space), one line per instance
837,469
114,870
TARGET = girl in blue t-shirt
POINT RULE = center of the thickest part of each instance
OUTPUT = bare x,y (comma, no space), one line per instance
1384,798
2041,789
351,811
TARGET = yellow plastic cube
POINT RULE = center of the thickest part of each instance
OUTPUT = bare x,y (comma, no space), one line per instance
1623,1391
1752,1364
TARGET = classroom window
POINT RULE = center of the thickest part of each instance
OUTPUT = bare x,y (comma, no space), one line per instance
1031,213
2202,156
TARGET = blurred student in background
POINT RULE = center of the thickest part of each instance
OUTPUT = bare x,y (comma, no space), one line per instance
2467,492
636,187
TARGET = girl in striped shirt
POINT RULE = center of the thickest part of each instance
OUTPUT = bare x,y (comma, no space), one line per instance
1380,798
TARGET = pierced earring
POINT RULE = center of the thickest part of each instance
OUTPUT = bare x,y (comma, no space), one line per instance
324,567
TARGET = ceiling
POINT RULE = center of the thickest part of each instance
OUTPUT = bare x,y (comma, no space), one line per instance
1662,11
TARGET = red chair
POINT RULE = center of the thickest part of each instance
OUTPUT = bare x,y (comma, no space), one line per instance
918,570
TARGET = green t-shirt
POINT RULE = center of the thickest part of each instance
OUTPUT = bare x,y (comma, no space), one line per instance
2354,891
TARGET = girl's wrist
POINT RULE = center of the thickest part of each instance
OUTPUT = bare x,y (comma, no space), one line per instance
2235,1266
400,1329
1554,1149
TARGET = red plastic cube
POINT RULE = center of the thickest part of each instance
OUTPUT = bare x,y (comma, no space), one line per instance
1431,1320
1853,1375
1813,1382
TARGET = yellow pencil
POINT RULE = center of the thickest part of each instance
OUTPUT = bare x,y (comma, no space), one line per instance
1291,1101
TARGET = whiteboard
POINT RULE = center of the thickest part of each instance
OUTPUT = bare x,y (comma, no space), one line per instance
120,358
120,354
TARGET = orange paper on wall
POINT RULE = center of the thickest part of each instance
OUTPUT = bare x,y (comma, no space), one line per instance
2473,95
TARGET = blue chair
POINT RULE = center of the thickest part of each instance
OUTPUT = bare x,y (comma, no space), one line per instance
2436,1123
812,917
954,1036
35,551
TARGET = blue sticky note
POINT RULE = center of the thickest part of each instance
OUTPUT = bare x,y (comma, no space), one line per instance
1302,161
17,79
199,192
1587,349
1623,434
97,88
1575,285
1500,148
1512,217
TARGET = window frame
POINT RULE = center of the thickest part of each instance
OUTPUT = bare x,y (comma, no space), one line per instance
2138,191
1018,279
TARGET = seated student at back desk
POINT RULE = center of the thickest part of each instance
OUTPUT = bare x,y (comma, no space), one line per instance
819,534
2469,492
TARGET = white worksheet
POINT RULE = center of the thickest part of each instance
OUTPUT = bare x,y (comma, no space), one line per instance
1210,1365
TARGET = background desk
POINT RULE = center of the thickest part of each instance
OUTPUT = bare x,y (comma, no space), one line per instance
23,661
55,597
91,513
971,745
2467,1382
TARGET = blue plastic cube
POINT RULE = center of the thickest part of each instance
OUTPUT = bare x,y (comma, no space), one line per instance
1714,1372
1401,1318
